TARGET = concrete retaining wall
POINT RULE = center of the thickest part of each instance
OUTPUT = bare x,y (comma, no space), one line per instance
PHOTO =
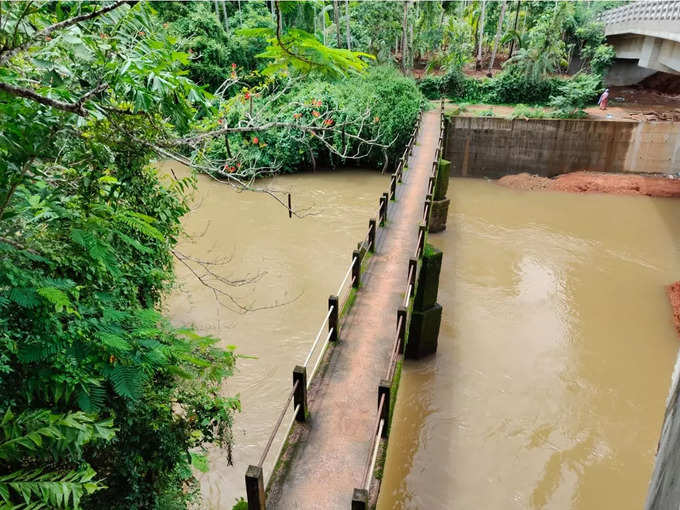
493,147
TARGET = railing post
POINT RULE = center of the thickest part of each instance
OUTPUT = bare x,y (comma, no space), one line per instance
421,229
300,395
385,388
333,318
255,488
360,499
393,186
401,332
371,234
412,263
383,209
430,184
356,269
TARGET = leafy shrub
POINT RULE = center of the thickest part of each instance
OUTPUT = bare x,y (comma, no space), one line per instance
575,94
431,86
388,101
523,111
453,82
602,59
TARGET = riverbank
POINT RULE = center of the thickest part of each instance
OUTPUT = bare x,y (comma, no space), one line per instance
596,182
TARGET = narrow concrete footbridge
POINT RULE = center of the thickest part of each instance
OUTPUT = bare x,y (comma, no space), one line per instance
646,38
336,417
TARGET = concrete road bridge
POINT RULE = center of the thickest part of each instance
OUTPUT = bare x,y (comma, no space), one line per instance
646,37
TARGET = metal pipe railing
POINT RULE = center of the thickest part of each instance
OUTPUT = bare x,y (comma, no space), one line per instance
276,427
375,442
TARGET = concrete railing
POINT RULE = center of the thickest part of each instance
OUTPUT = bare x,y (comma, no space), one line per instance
360,495
338,304
662,10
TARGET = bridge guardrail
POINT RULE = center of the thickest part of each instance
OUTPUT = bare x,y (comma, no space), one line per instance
381,427
256,485
638,11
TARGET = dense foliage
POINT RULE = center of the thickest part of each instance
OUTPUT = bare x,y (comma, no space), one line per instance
103,403
553,38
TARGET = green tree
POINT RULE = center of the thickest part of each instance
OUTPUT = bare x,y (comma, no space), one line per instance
103,403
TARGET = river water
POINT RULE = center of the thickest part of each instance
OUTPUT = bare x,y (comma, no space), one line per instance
298,261
555,355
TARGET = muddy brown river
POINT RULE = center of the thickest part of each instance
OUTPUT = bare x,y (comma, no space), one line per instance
299,261
555,354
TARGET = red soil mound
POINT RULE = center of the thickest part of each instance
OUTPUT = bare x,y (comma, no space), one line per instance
674,296
595,182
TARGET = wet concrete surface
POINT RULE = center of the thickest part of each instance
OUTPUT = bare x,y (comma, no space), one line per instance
331,454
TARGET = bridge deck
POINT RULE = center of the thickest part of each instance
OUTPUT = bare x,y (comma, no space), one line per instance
330,456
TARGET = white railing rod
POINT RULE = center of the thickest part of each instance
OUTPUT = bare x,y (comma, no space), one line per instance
318,335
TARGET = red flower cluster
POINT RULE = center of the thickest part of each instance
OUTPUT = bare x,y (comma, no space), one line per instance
316,113
247,95
229,169
256,140
233,65
328,122
297,115
316,103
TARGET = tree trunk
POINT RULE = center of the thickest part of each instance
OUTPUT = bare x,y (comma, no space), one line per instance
514,28
336,17
224,14
404,37
412,53
499,31
217,10
349,46
480,42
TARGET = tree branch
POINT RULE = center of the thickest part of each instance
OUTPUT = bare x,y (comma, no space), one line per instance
7,54
76,107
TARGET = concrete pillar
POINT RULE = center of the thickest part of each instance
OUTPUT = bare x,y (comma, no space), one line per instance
383,209
402,314
421,235
300,395
426,314
439,215
442,185
255,488
371,234
385,388
423,333
333,317
360,499
428,280
356,269
412,263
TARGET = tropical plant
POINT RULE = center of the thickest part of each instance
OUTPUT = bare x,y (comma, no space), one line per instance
104,404
575,94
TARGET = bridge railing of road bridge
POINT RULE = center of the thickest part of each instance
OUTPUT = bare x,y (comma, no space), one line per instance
387,387
338,304
638,11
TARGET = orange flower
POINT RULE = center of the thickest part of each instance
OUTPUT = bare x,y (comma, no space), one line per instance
233,66
256,140
376,119
112,358
328,122
315,113
297,115
247,95
219,121
231,169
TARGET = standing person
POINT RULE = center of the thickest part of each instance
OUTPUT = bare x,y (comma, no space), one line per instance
604,99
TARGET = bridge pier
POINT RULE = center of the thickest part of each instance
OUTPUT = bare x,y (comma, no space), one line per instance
426,315
255,488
